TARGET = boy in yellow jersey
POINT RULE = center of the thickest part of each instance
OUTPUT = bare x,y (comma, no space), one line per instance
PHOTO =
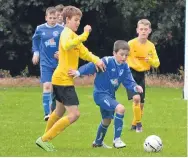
142,56
70,50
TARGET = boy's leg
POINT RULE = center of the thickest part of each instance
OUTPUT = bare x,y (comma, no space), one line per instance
139,77
118,125
103,127
68,97
47,86
136,112
46,75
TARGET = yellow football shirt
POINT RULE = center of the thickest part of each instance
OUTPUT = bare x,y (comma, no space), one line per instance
139,52
70,50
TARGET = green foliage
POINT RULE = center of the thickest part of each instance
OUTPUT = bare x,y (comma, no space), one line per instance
111,20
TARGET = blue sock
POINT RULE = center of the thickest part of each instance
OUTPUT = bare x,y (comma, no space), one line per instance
101,133
46,102
53,102
118,125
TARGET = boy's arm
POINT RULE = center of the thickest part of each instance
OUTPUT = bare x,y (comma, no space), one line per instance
36,42
154,60
128,82
71,43
90,68
85,54
87,69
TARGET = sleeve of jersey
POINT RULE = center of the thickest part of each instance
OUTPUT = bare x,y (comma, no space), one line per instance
154,60
128,82
73,42
36,41
87,69
85,54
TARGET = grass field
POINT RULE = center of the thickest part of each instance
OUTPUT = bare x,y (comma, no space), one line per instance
21,123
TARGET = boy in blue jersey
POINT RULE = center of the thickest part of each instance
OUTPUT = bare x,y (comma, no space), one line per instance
45,43
59,13
105,85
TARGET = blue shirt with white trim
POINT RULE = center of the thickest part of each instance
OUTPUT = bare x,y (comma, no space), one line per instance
109,81
45,42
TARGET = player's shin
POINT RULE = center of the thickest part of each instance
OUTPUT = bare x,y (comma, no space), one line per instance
102,129
137,113
46,102
51,121
118,125
59,126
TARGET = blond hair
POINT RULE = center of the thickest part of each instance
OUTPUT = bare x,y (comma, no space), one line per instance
70,11
144,22
50,10
59,8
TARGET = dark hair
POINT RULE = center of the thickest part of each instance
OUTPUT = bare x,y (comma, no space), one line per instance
121,44
70,11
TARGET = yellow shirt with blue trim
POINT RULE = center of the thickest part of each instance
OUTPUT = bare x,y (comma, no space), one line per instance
138,54
71,49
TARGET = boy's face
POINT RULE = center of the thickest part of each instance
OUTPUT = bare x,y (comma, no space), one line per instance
51,19
121,55
73,23
59,16
143,31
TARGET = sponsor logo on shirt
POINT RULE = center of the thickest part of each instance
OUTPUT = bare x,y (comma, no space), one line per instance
51,43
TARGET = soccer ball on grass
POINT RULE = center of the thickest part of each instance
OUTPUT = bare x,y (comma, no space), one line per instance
153,143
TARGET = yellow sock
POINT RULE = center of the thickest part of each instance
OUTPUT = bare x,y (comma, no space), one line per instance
137,114
59,126
51,121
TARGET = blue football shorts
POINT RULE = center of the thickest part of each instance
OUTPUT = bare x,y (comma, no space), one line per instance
46,74
107,105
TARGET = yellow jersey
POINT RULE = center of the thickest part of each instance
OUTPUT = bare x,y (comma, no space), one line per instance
139,52
70,50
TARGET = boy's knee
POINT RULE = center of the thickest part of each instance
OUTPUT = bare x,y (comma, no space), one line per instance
120,109
75,115
47,86
106,122
136,99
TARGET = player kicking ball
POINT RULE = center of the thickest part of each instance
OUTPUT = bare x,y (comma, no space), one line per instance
105,85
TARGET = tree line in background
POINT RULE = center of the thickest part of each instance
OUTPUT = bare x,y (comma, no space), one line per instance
110,20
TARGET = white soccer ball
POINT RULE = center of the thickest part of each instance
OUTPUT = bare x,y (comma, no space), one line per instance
153,143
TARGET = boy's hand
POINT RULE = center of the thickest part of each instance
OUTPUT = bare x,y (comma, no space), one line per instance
56,55
35,59
73,73
87,28
139,89
100,65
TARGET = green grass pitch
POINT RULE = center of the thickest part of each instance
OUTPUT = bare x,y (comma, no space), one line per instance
21,123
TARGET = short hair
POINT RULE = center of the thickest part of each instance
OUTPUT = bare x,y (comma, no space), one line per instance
144,22
121,44
70,11
50,10
59,7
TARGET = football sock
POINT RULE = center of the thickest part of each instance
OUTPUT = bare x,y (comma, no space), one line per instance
118,125
137,114
101,133
59,126
51,121
46,102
